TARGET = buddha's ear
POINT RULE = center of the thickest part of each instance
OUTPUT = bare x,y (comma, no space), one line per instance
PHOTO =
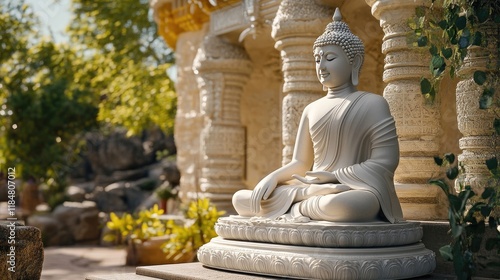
356,68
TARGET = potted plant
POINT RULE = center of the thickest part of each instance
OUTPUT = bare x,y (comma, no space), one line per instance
164,193
198,229
142,233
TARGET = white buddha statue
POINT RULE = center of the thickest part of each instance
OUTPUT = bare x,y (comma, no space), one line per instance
346,150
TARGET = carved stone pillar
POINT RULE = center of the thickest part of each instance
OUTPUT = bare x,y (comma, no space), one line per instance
417,123
479,142
296,25
222,70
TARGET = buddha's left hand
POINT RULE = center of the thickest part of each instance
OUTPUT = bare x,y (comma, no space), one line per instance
317,177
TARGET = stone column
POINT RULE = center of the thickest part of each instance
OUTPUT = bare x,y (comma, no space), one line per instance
222,70
479,142
417,123
188,119
296,25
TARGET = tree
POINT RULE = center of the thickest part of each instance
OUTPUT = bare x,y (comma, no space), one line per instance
128,65
42,108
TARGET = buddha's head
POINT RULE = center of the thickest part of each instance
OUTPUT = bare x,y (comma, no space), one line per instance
339,54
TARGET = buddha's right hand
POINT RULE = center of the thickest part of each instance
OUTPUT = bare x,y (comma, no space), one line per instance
262,191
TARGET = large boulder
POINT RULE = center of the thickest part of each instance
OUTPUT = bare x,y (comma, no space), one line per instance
54,233
117,152
80,218
24,258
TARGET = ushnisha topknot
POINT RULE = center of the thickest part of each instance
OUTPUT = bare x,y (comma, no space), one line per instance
338,33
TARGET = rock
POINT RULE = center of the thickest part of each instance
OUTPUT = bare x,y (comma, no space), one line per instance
116,151
27,259
108,202
145,184
134,197
53,231
117,188
75,194
116,176
81,219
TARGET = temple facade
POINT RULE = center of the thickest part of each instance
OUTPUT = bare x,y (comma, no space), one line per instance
245,71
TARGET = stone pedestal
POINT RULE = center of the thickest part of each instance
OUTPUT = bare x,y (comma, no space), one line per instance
417,123
319,250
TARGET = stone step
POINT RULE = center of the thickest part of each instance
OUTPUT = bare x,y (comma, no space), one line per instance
196,271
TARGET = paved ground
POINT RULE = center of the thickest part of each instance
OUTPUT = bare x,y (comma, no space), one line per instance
74,263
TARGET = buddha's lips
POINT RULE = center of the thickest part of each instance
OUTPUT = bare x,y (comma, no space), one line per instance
324,75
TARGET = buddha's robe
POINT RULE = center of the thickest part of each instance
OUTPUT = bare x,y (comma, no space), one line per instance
357,141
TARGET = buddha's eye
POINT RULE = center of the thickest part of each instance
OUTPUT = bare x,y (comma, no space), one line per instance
330,57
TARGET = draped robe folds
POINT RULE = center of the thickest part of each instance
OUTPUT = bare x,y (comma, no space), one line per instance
359,145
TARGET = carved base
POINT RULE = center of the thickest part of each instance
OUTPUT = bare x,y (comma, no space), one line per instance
318,263
320,233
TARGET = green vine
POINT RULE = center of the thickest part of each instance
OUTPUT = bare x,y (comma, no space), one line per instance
469,216
449,29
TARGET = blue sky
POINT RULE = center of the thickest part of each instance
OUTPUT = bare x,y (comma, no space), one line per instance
54,15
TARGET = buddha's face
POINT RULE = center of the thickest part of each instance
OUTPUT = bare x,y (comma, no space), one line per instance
332,66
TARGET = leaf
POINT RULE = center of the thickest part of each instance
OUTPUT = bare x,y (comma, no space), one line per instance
485,211
422,41
487,193
482,14
452,173
492,163
479,77
450,158
433,50
461,22
447,53
438,160
463,42
425,86
443,24
486,99
477,39
455,202
445,252
496,125
476,244
456,230
441,184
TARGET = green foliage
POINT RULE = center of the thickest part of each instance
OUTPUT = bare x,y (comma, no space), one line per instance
139,227
41,108
127,65
449,29
202,216
166,191
469,215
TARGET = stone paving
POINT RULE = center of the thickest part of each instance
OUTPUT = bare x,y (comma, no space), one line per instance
76,262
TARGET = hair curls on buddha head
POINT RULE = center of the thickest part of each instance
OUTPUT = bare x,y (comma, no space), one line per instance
338,33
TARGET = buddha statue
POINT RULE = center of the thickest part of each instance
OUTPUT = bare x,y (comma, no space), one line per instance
346,148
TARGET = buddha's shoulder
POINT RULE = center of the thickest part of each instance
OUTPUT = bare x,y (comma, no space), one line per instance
372,99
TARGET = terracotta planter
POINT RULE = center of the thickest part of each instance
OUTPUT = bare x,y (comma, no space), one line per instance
150,252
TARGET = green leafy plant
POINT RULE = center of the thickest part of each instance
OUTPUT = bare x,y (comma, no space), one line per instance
198,230
449,29
469,215
166,191
139,227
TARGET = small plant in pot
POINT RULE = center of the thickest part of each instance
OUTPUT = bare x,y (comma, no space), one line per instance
165,192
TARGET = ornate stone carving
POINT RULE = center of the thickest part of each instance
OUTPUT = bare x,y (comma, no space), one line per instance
479,142
222,70
418,124
188,120
320,234
318,263
296,25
